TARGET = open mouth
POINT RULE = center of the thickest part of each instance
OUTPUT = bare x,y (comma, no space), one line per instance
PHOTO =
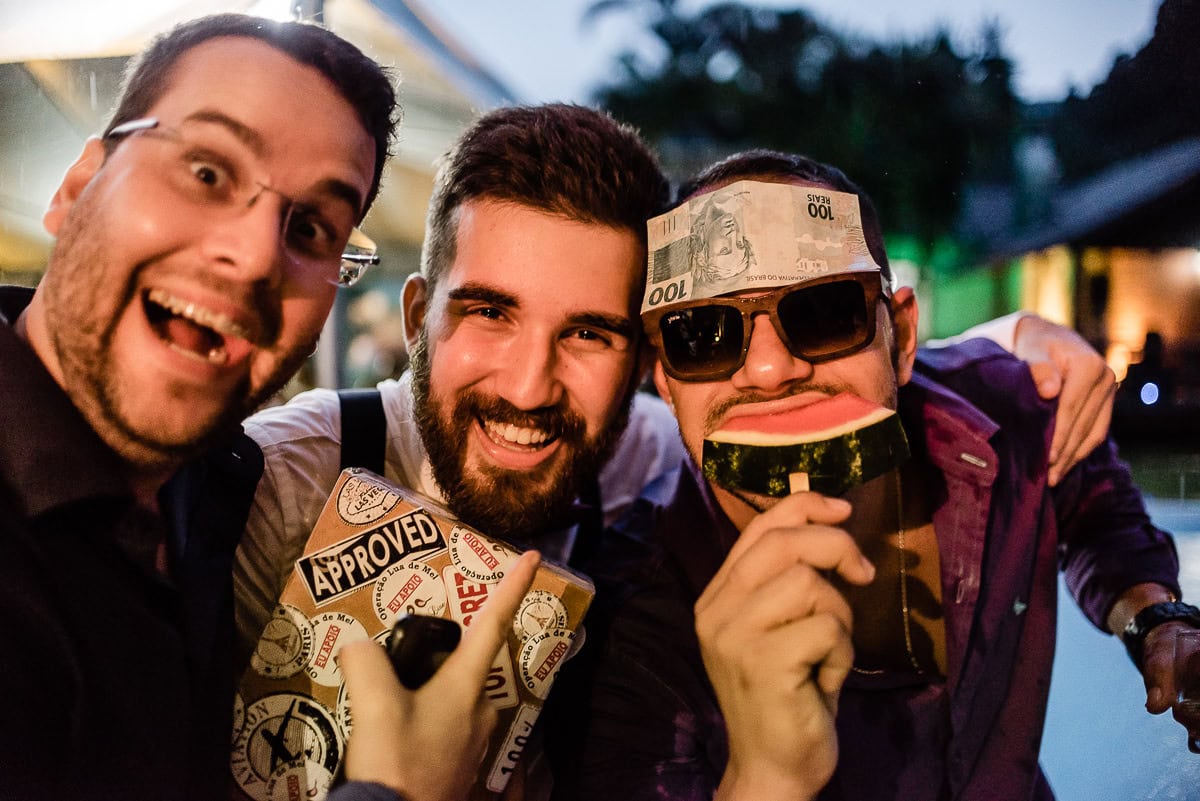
516,437
189,329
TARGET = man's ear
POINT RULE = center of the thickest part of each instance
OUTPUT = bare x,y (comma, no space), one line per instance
904,318
660,383
412,308
77,177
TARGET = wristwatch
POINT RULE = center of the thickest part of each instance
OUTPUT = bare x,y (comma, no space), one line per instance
1154,614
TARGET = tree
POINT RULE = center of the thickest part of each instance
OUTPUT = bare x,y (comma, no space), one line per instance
912,122
1148,100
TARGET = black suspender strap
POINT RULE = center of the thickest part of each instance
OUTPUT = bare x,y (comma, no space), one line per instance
590,528
364,429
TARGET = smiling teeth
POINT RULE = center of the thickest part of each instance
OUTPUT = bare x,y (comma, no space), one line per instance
221,323
517,436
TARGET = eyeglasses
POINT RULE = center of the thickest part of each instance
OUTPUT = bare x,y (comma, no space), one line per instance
820,320
213,171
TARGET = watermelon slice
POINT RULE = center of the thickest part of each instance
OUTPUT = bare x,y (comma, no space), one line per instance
828,447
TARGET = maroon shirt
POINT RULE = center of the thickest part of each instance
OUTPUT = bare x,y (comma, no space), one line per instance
655,730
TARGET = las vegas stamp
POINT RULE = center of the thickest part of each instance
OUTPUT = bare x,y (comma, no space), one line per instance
362,501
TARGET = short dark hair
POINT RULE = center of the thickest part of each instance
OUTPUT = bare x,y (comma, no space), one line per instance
557,158
761,163
359,79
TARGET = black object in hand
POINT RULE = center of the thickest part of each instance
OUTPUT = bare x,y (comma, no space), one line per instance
419,644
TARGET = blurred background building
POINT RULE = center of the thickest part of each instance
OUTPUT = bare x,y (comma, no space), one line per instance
56,90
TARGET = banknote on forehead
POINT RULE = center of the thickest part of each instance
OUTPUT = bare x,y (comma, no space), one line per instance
751,235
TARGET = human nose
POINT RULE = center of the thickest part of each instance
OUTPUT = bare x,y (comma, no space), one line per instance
246,240
528,374
769,364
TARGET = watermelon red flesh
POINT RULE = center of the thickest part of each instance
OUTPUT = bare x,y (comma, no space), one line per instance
838,442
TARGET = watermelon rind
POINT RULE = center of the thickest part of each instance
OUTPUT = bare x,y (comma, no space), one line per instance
833,465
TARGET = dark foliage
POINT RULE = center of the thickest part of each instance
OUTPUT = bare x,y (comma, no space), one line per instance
912,122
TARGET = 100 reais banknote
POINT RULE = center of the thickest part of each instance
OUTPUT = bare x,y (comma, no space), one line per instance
751,235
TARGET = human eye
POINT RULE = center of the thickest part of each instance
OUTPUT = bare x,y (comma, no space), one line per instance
484,312
208,173
309,232
590,339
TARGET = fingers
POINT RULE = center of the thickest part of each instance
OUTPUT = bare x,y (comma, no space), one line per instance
1047,379
1084,415
745,663
822,547
1065,366
381,710
1088,429
489,629
1158,666
794,511
367,669
795,592
833,668
1085,389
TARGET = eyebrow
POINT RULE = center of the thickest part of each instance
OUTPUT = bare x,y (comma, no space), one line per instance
255,142
622,326
483,293
472,291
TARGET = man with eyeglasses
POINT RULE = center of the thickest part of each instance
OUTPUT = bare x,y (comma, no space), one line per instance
200,242
892,643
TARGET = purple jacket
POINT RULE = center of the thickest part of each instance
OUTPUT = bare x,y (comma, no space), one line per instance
655,730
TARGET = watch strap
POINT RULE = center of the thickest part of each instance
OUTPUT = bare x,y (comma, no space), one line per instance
1153,615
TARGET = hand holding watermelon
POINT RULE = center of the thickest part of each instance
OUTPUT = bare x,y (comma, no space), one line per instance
774,634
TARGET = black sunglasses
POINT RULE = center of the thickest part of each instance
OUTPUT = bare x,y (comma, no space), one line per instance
819,320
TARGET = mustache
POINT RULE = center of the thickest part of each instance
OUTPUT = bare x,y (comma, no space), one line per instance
265,305
716,415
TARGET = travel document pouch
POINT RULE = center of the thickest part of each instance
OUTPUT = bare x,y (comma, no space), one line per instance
377,552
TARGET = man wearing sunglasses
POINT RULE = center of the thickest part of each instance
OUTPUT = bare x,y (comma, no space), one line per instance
894,643
526,351
200,242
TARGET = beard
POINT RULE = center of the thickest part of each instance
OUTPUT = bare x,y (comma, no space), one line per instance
515,505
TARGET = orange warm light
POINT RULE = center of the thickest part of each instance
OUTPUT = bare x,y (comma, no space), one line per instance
1046,284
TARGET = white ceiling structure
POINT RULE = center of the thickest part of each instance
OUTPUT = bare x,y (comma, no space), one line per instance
60,67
